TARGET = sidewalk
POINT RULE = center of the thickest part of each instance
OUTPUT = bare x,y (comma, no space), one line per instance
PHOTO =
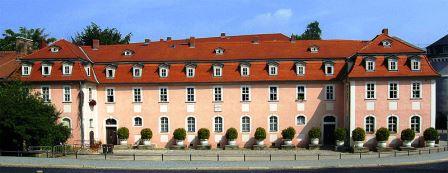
214,165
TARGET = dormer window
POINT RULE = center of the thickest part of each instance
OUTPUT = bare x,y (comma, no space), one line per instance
245,69
392,64
314,49
87,68
300,68
67,68
163,70
128,52
415,63
46,69
273,68
137,71
219,51
110,71
386,43
217,70
329,68
190,70
54,49
26,69
370,64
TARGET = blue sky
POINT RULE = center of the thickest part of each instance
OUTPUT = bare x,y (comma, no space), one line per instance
420,22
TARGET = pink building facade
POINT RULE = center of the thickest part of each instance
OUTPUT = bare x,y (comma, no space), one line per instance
268,80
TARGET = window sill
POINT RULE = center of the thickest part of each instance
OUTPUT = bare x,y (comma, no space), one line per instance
297,100
330,100
164,133
138,126
110,102
393,99
164,102
416,99
217,101
193,102
366,99
245,133
218,132
273,101
137,102
67,102
244,101
300,124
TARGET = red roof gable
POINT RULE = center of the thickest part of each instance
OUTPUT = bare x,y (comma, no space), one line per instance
397,46
8,63
67,50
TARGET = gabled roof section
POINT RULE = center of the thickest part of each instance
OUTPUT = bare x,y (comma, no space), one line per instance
67,50
398,46
78,73
8,63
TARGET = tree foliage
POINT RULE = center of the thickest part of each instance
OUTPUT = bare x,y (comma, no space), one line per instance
312,32
106,36
8,42
26,120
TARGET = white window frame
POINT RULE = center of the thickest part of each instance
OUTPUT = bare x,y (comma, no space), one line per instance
386,43
49,69
42,92
419,89
113,94
390,61
329,65
160,95
66,95
366,93
163,72
69,122
54,49
245,70
140,95
90,93
188,70
87,70
419,124
389,89
221,94
297,91
397,124
314,49
107,72
273,70
273,126
243,130
217,71
373,124
418,63
28,67
161,129
215,124
300,66
276,94
370,65
69,66
127,53
297,122
134,71
133,121
333,94
188,94
187,124
248,93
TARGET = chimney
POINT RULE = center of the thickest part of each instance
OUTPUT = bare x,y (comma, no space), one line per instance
256,40
161,39
95,44
223,35
24,45
385,31
191,42
42,44
168,38
293,39
147,41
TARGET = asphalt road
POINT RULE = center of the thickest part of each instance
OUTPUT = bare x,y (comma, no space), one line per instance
433,168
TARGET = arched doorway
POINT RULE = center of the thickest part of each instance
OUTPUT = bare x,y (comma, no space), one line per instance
111,131
329,127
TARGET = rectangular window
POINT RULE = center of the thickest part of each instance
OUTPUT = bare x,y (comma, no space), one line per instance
416,90
273,70
110,94
88,71
190,72
26,70
45,90
67,93
110,73
329,92
90,94
190,94
217,71
137,72
217,93
163,72
300,69
370,90
415,64
244,70
46,70
137,92
218,124
273,93
163,94
300,92
393,90
66,69
393,65
164,125
329,69
370,65
245,93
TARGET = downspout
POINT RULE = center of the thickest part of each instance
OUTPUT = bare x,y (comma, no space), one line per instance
80,111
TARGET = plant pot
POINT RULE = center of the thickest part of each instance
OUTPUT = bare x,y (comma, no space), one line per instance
123,142
315,141
260,142
204,142
359,144
407,143
180,142
146,142
382,144
232,142
339,143
430,143
288,142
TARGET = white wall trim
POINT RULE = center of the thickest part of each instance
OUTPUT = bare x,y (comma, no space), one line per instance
352,107
433,103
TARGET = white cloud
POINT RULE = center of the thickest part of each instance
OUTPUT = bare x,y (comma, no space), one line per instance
279,17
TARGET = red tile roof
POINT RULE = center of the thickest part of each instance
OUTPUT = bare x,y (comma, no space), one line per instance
67,51
78,73
398,46
8,63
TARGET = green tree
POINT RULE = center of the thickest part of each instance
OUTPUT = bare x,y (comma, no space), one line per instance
8,42
106,36
26,120
312,32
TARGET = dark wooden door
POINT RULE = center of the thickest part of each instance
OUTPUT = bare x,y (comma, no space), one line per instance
329,134
111,133
92,138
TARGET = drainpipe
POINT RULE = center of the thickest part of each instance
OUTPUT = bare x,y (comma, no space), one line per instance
80,112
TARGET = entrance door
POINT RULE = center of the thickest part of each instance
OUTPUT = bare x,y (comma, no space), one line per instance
92,138
329,127
111,135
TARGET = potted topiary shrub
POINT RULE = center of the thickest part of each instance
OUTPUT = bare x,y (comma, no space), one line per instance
430,135
203,135
146,135
340,134
123,135
288,134
382,136
314,135
358,136
231,136
260,135
179,135
407,135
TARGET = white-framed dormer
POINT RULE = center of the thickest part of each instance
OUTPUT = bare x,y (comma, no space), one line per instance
164,70
88,69
26,69
273,68
392,63
67,68
300,68
386,43
329,68
370,63
46,68
110,71
219,51
313,49
137,70
245,69
190,70
217,70
415,63
128,52
55,49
